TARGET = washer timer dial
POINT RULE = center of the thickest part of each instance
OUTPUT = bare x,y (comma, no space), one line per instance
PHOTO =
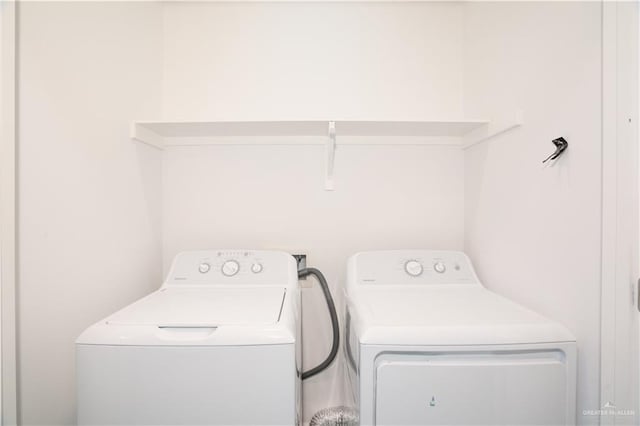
413,268
230,268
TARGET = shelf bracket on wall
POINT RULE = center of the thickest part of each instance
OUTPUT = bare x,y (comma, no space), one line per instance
331,156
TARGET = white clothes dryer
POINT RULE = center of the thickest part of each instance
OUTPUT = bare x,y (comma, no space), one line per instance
428,344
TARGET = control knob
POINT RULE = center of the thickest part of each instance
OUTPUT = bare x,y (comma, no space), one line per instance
413,268
439,267
204,267
230,268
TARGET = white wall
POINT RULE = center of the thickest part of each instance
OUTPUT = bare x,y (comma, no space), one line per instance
534,231
8,194
89,224
306,60
313,61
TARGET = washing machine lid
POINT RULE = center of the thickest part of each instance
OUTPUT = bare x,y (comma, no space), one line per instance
210,307
448,315
220,316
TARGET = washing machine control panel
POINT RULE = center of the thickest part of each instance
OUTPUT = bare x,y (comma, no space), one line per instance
411,267
233,267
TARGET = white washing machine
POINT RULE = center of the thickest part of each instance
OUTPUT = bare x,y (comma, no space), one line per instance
427,344
217,344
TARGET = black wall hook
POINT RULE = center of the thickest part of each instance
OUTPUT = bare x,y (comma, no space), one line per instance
561,144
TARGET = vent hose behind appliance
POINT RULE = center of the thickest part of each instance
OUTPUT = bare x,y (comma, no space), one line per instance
302,273
335,416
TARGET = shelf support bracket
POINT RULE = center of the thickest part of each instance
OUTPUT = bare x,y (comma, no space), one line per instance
331,156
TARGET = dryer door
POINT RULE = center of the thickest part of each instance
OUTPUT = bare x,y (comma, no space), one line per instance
472,388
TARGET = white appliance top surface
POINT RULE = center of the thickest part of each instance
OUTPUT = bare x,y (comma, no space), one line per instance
448,314
199,307
434,297
443,306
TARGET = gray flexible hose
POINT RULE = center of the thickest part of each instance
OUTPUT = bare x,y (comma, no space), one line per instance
334,322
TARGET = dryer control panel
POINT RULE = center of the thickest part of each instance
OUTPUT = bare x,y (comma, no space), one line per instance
410,267
233,267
